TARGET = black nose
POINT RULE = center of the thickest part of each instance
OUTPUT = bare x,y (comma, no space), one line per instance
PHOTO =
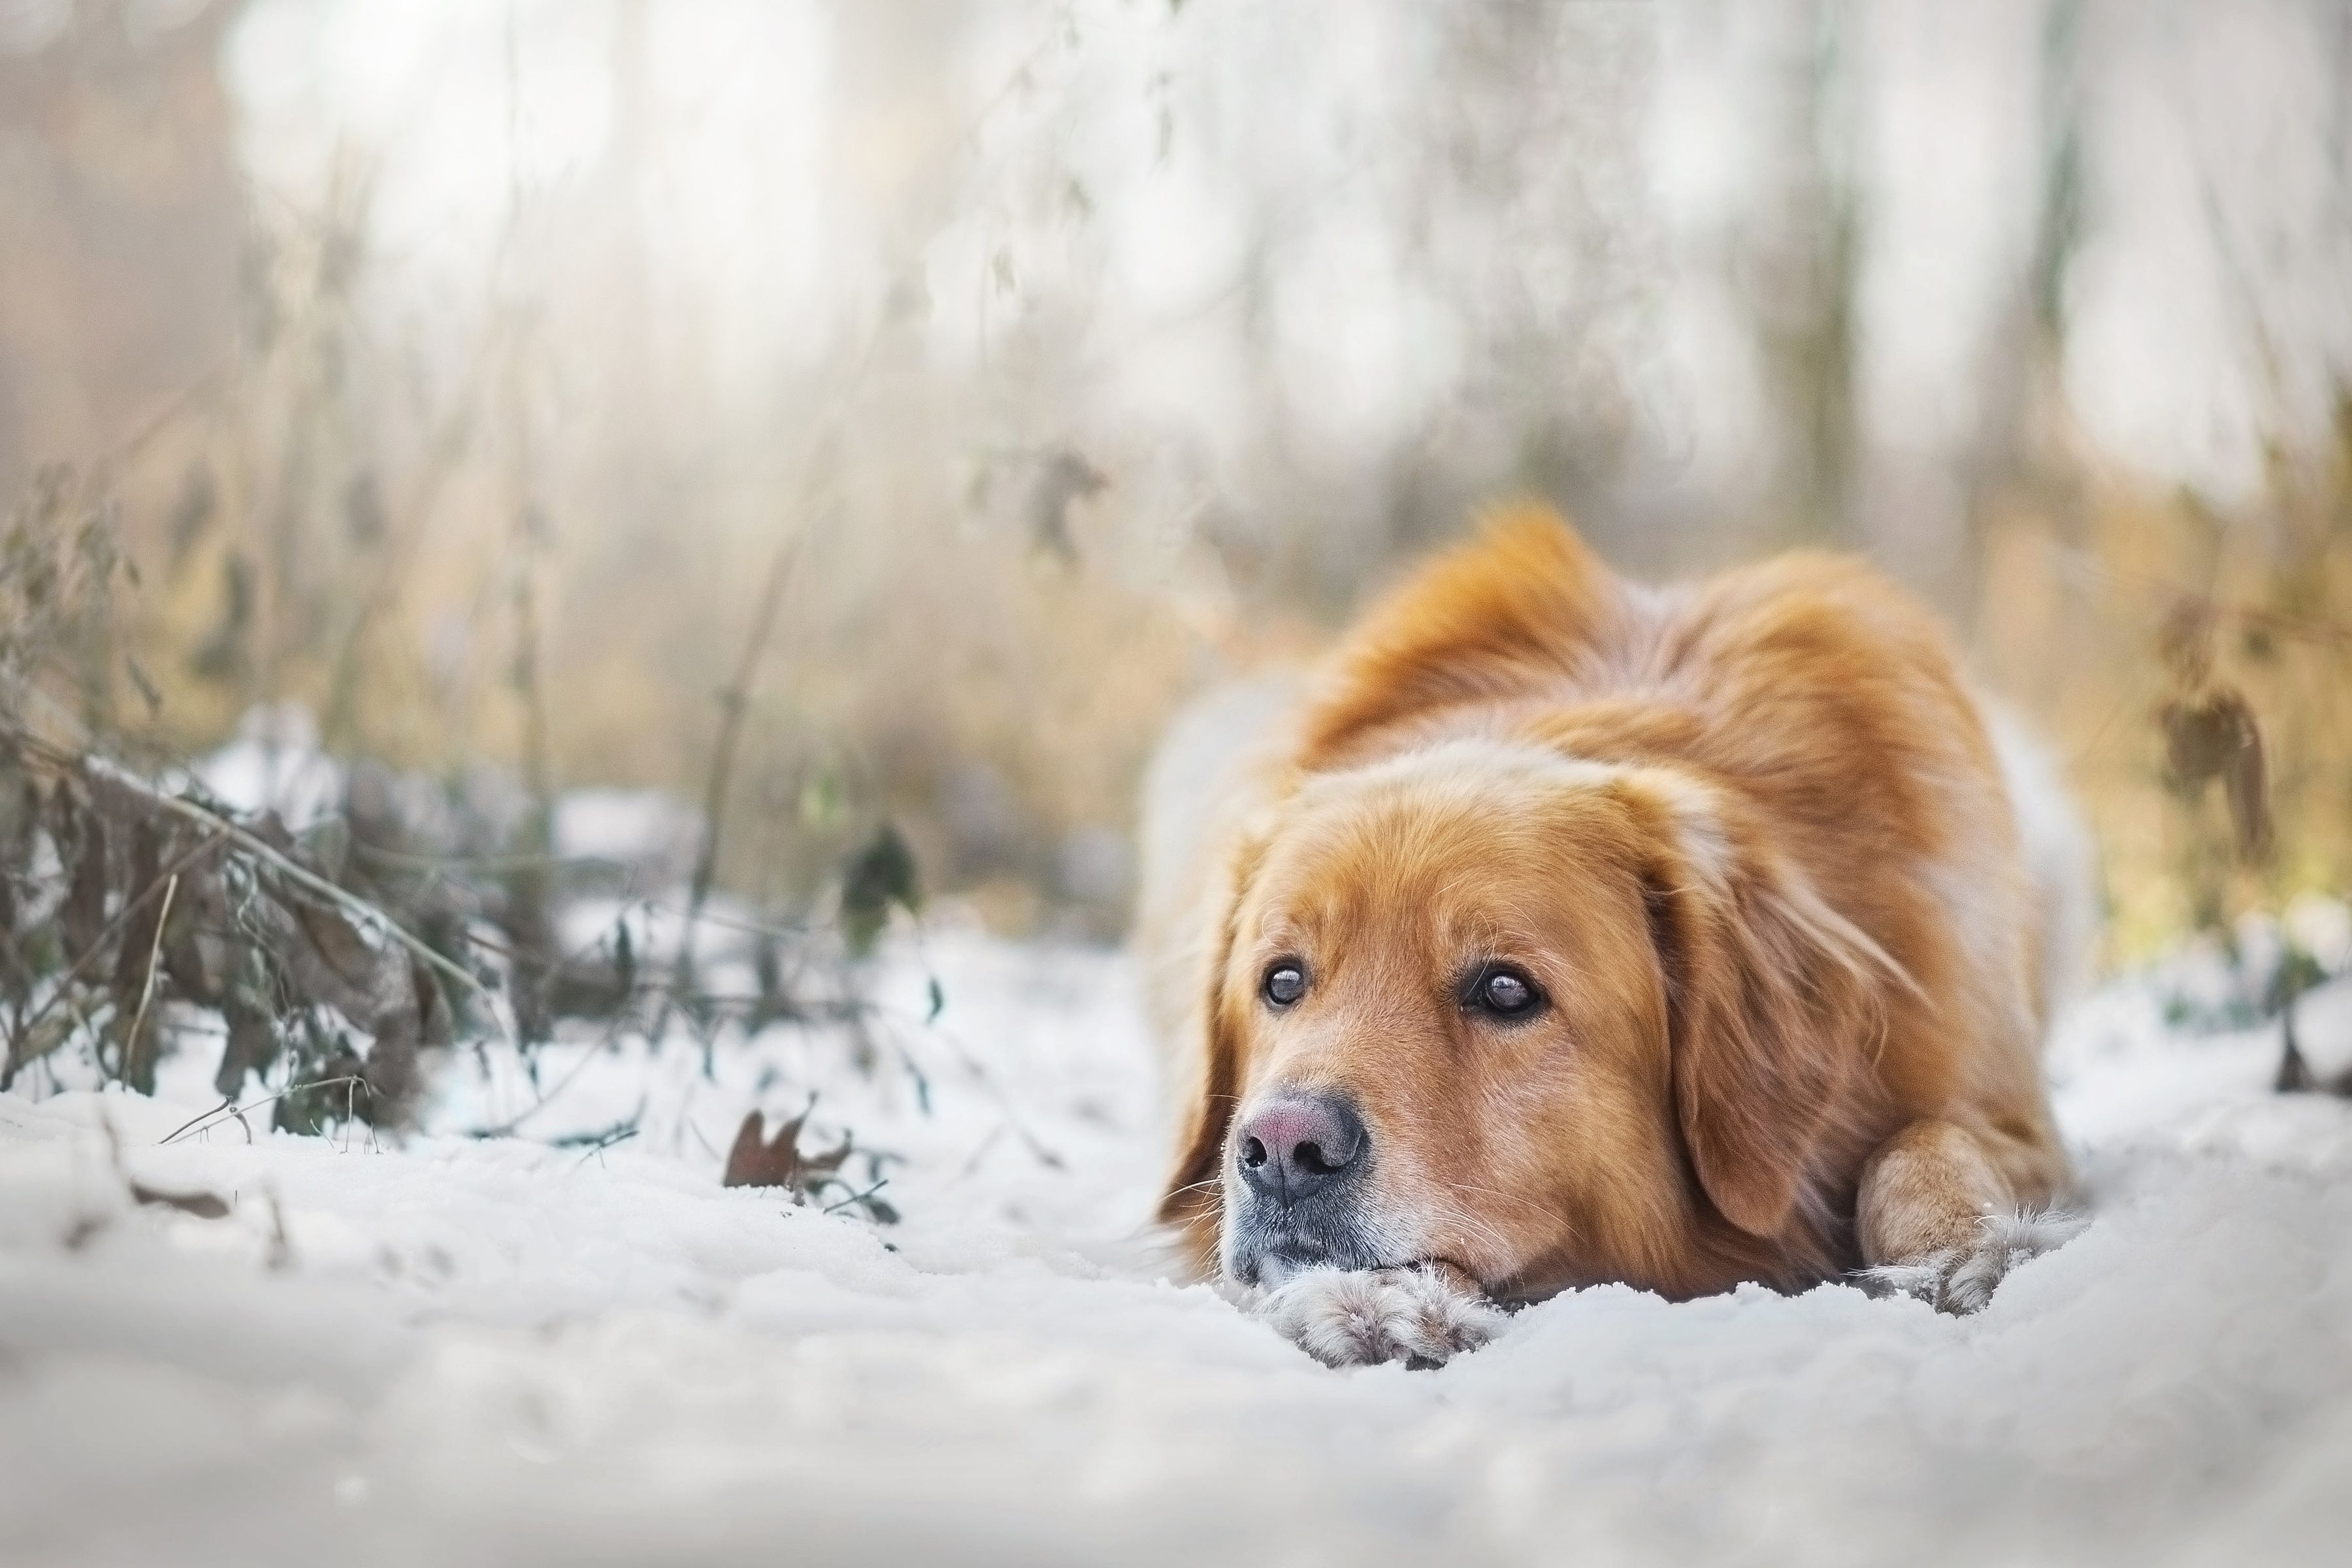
1293,1147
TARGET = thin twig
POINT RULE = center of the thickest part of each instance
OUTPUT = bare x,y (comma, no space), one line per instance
154,957
210,1118
620,1134
2082,563
507,1128
855,1197
556,965
728,923
227,1104
978,1071
734,702
492,863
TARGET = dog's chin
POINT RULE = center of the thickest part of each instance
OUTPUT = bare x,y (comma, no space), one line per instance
1272,1270
1270,1267
1267,1259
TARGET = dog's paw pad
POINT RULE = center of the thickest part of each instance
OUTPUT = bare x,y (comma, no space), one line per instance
1962,1279
1360,1318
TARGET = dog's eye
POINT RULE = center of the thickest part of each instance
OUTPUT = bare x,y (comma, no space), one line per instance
1506,993
1285,983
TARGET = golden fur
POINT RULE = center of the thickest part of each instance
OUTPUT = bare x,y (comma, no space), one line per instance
1750,836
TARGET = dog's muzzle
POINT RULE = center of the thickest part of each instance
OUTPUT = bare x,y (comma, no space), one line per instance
1302,1162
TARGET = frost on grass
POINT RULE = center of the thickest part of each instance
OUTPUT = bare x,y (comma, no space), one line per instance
455,1349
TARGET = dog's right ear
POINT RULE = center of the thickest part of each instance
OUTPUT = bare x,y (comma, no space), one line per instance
1768,991
1193,1202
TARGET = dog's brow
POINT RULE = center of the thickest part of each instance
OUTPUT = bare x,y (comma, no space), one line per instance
1475,932
1285,931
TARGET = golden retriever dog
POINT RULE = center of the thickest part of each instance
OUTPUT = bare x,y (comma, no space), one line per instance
1563,931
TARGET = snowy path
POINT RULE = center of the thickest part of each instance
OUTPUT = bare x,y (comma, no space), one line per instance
500,1352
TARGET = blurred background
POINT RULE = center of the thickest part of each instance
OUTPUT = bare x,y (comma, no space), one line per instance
886,411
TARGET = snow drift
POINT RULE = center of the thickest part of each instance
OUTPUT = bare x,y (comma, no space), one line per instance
500,1350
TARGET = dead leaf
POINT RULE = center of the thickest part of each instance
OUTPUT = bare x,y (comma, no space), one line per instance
203,1205
753,1162
2215,735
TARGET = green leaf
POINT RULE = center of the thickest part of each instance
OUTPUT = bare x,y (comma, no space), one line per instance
880,874
821,801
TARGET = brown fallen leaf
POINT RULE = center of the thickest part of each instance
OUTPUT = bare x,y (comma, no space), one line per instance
203,1205
755,1161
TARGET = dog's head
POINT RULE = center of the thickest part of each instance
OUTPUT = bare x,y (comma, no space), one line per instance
1542,1019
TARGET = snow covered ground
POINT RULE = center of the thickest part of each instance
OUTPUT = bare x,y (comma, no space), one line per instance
459,1349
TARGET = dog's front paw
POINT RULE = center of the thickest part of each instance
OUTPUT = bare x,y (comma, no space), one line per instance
1960,1279
1363,1316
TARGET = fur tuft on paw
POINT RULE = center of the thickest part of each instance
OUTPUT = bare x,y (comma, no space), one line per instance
1360,1318
1962,1279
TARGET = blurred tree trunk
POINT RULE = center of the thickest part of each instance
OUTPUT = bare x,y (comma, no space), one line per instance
1806,274
634,428
2019,442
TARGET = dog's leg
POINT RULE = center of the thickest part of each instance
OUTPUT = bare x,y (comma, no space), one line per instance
1421,1316
1941,1220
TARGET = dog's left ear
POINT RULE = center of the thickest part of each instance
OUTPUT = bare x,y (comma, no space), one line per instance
1193,1202
1769,995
